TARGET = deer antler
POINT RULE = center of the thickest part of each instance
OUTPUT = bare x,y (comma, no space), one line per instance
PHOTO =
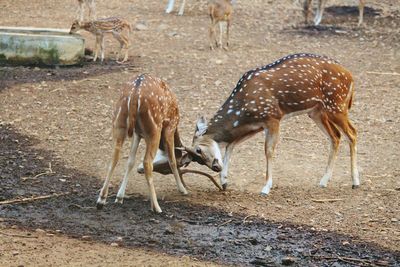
182,172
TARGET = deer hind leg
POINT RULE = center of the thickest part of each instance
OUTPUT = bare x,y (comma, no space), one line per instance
92,9
224,172
170,149
211,35
118,37
320,11
361,12
228,25
102,48
119,137
271,140
182,8
307,10
342,121
152,144
126,44
327,127
96,52
131,163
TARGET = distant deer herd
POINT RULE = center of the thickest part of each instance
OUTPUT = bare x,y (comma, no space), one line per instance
263,97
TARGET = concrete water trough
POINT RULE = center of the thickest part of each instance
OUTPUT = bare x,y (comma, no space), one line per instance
40,46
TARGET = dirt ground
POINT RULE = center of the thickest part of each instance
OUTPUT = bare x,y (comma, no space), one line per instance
55,138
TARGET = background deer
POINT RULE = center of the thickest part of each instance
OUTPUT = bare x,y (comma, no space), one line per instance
91,6
118,27
171,4
220,11
263,97
146,109
320,10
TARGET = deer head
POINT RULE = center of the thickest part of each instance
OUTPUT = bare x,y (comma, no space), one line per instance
75,27
204,149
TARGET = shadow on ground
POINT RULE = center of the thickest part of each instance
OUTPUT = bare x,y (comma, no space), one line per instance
183,229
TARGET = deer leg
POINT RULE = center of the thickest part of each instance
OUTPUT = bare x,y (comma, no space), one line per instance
180,13
320,11
170,6
307,10
271,140
224,172
96,53
119,137
102,48
92,10
80,11
361,12
212,34
221,31
126,44
327,127
131,163
152,144
228,25
170,149
118,36
342,121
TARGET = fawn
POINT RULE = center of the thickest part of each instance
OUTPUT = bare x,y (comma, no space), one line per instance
118,27
219,11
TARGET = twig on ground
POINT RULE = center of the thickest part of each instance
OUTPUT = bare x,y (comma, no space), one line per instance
16,235
384,73
80,207
225,223
294,139
248,216
49,171
327,200
30,199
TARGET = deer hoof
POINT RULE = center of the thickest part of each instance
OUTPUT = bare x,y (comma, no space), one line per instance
224,186
355,186
119,200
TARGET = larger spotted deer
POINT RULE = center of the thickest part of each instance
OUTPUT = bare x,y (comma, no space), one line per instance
263,97
146,109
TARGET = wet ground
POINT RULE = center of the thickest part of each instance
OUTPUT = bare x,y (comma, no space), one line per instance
182,229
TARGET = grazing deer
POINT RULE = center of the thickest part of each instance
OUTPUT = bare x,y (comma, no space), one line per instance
91,6
219,11
263,97
320,10
146,109
118,27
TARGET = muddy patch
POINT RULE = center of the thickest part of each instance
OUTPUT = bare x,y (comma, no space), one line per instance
183,229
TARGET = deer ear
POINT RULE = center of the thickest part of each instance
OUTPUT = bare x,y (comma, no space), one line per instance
201,126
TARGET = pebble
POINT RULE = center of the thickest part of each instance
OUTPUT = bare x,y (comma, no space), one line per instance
394,220
85,237
288,261
15,253
218,83
40,230
113,244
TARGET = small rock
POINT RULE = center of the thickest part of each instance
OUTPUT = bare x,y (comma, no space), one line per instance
394,220
113,244
15,253
86,237
40,230
141,27
218,83
218,62
288,261
268,248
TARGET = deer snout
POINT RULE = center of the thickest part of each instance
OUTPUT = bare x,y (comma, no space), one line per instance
216,166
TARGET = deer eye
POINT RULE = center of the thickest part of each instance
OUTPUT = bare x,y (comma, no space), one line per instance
198,150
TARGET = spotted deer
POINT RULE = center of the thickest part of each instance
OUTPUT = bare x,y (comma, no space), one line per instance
220,11
118,27
91,6
263,97
146,109
320,10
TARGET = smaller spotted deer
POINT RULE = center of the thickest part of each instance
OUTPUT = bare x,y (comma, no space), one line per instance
320,10
146,109
118,27
219,11
263,97
91,6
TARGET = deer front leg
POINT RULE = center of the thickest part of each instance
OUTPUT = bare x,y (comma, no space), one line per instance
152,144
307,10
102,48
211,35
92,9
81,10
170,149
224,172
120,133
271,140
320,11
221,30
170,6
228,25
131,163
361,12
96,53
